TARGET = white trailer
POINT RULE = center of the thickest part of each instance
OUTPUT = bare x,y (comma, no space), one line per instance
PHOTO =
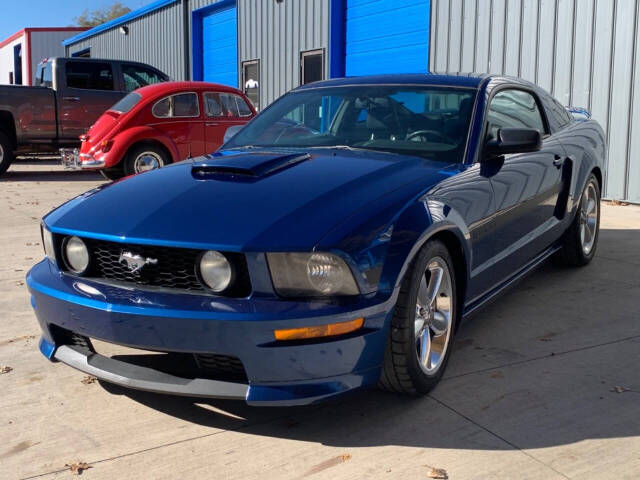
22,51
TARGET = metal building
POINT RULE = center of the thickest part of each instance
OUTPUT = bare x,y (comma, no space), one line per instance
22,51
585,52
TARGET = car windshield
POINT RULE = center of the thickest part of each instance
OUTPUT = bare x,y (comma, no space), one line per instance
430,122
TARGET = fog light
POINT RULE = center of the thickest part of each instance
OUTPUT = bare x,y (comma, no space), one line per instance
318,331
215,271
76,255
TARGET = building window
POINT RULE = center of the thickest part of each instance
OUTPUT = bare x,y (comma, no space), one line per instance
251,81
311,66
84,53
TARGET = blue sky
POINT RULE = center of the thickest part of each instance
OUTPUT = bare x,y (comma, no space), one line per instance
18,14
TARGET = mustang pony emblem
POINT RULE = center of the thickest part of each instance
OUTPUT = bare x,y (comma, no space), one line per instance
135,263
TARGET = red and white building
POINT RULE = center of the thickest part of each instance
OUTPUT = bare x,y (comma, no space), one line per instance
22,51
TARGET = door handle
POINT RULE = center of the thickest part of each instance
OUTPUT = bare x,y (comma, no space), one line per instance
211,124
558,161
71,99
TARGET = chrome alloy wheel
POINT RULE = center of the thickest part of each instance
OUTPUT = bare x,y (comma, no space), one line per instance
1,153
147,161
588,218
433,319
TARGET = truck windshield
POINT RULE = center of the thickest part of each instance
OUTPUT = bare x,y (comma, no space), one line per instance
127,103
430,122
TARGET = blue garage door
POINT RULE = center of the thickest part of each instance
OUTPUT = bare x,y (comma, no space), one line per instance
220,47
387,36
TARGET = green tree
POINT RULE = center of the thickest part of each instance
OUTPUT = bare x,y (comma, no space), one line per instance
98,17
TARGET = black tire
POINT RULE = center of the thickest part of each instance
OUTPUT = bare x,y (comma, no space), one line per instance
6,153
113,173
574,251
401,370
153,151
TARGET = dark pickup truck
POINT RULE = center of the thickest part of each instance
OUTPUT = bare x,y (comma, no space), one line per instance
70,94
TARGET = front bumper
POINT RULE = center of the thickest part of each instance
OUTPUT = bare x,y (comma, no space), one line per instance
277,373
71,159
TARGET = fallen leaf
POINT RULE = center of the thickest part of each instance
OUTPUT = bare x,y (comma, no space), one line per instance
438,473
497,374
19,284
619,389
89,379
5,369
344,457
545,339
78,467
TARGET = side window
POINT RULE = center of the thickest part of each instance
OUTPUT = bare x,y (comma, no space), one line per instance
136,76
89,75
514,109
243,108
186,105
560,114
212,106
162,108
183,105
234,105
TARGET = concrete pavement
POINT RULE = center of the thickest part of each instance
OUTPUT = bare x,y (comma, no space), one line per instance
542,384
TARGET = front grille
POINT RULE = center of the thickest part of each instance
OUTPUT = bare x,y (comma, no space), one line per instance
175,268
221,364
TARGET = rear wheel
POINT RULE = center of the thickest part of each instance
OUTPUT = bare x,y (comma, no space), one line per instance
581,239
418,346
6,153
144,158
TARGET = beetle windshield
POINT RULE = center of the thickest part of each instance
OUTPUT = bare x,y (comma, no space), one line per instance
430,122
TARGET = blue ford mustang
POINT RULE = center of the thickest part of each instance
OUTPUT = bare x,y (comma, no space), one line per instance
336,242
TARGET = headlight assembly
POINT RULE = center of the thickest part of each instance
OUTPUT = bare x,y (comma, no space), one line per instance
47,243
311,274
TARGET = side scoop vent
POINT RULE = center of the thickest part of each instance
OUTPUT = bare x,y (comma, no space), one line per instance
247,166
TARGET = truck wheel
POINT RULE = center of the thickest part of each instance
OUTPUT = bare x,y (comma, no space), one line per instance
143,158
6,153
423,323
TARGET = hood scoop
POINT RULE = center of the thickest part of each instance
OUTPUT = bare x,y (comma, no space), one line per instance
245,166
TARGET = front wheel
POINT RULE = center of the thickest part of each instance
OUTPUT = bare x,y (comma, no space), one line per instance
418,346
144,158
6,153
581,239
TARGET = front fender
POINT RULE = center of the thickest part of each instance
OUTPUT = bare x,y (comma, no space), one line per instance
123,141
416,226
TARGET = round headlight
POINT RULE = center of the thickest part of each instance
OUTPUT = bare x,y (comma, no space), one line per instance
327,273
215,271
76,255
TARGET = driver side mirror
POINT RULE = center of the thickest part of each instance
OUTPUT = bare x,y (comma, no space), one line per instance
513,140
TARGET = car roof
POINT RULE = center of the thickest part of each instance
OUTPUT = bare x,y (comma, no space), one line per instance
469,80
164,88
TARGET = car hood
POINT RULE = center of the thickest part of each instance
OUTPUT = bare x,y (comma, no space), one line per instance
244,201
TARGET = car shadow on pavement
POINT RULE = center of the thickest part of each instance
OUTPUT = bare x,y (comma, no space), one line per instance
553,362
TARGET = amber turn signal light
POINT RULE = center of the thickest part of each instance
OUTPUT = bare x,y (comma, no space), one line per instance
318,331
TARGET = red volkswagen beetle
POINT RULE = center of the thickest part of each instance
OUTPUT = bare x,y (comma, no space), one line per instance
160,124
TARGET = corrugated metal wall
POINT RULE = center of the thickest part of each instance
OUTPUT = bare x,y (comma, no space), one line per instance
585,52
156,39
276,33
44,45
